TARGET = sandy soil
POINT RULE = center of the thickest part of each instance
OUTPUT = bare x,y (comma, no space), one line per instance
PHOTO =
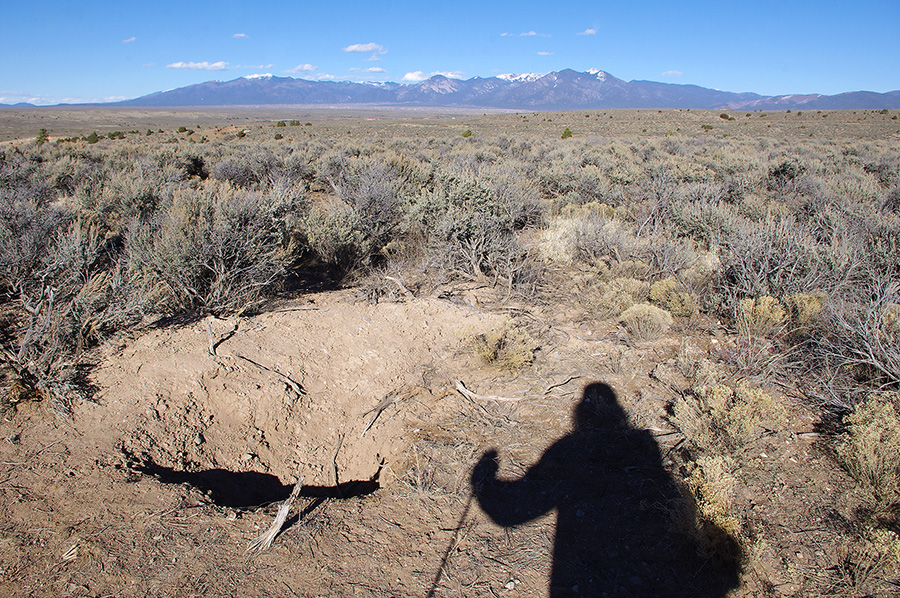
159,486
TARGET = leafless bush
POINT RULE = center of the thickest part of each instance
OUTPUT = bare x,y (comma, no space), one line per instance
218,250
471,224
74,296
779,257
247,170
864,334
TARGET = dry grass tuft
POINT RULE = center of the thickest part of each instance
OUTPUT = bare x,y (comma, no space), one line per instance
870,450
715,416
668,294
805,309
707,517
760,317
645,321
506,345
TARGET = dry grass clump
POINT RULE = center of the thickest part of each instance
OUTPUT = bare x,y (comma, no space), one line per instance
712,523
645,321
606,299
890,322
667,294
506,345
761,316
715,416
870,449
805,309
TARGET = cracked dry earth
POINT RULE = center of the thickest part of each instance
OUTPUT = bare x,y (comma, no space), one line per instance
198,430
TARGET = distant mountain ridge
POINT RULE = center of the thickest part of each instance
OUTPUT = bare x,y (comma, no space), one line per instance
562,90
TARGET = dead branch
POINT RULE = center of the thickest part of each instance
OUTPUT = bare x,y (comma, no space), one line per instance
337,481
209,337
461,388
400,284
552,386
391,398
294,386
264,541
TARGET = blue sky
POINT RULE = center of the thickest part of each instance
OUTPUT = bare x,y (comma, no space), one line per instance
86,51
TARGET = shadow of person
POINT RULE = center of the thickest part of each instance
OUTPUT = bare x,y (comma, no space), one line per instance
614,503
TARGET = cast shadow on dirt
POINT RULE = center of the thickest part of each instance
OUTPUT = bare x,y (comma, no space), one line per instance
248,489
615,532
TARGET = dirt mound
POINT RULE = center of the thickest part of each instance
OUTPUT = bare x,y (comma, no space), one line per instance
322,389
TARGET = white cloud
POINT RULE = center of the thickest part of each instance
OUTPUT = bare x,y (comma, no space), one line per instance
525,34
199,66
671,74
254,67
588,32
302,68
416,76
365,48
325,77
545,53
149,65
371,69
129,40
240,36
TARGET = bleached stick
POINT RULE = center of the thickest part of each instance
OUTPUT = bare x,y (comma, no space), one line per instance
461,388
400,284
264,541
294,386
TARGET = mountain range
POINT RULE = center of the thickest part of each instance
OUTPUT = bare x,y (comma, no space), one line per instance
562,90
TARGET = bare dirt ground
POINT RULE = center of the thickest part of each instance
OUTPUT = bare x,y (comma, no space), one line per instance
159,486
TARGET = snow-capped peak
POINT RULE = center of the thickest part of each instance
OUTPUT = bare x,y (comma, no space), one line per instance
522,78
601,75
258,76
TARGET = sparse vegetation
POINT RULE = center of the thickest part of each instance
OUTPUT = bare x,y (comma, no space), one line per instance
508,345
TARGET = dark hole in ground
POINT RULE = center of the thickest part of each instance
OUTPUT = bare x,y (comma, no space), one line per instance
243,489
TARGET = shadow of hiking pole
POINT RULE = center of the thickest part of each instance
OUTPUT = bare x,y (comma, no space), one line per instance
459,524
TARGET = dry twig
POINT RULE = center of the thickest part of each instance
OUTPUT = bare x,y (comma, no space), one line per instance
461,388
294,386
400,284
264,541
391,398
